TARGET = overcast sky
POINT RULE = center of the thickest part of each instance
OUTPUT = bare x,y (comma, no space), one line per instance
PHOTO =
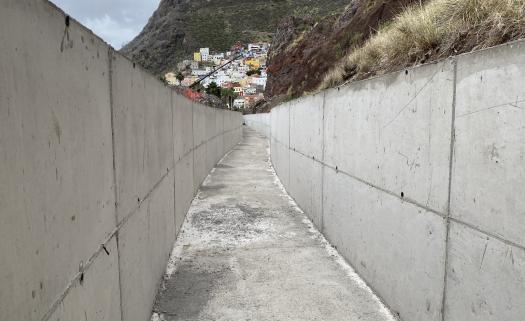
116,21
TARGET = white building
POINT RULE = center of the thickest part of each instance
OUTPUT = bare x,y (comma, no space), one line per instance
254,47
217,60
205,54
199,72
261,81
243,68
238,103
238,91
237,76
250,90
222,79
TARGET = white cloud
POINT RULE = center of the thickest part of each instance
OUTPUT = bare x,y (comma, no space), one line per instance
116,21
111,31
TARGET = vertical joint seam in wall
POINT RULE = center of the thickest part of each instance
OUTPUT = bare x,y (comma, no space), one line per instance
450,168
174,161
193,148
289,146
321,223
77,278
113,146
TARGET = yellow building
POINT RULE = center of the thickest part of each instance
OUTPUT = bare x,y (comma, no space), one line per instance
253,63
197,56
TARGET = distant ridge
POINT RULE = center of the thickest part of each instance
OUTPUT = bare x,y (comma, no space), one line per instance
179,27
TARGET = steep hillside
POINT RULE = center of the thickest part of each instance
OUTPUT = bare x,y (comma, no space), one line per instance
179,27
303,51
434,30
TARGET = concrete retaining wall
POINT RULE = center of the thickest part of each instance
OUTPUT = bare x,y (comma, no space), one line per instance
418,179
259,122
99,164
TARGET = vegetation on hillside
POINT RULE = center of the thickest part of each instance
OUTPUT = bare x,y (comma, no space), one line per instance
435,30
178,28
303,49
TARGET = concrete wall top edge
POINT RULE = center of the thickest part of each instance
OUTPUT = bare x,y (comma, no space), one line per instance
58,164
488,173
109,47
56,169
519,42
390,77
457,124
75,21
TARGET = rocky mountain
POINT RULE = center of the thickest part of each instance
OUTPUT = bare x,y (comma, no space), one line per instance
304,50
179,27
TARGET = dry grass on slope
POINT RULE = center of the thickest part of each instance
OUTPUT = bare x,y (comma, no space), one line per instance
436,30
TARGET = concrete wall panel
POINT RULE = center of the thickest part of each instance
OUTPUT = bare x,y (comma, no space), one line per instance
306,126
281,124
231,139
183,189
227,133
259,122
199,124
98,297
199,167
306,176
394,132
182,125
227,140
55,155
145,243
281,162
488,181
486,278
211,153
143,135
210,123
70,109
398,248
386,185
219,125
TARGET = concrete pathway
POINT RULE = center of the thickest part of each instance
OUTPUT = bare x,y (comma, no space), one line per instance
247,252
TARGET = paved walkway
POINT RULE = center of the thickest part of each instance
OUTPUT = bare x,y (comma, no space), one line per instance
248,253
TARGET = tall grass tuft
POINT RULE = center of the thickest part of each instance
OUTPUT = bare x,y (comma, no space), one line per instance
436,30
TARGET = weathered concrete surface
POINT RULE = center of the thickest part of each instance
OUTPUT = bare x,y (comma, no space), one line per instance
486,278
488,180
97,297
307,128
396,246
280,143
486,270
246,252
182,126
422,180
306,179
94,155
394,132
143,136
259,122
56,172
144,246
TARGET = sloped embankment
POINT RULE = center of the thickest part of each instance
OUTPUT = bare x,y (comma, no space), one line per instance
303,50
436,30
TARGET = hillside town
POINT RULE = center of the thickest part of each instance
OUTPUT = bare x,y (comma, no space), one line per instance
237,76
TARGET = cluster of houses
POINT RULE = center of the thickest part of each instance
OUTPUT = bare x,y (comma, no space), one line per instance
242,69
